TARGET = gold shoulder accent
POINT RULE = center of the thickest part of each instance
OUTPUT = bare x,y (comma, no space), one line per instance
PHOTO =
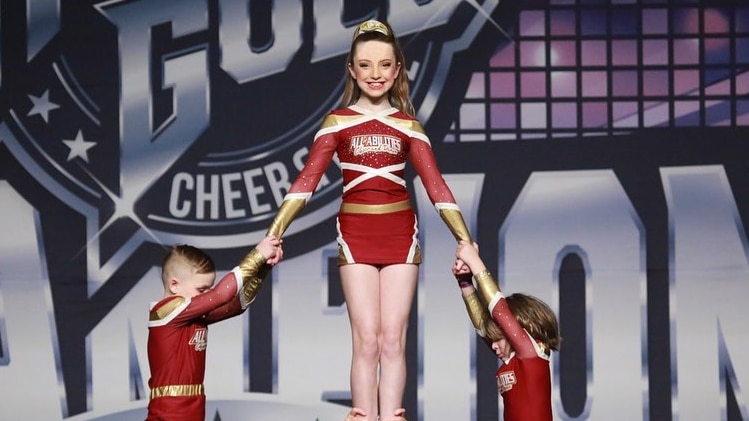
344,119
166,309
542,346
417,127
330,120
408,124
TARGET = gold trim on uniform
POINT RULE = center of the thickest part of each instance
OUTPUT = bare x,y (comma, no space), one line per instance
454,220
330,120
487,287
177,390
289,209
477,312
251,264
166,309
406,123
253,269
342,261
417,256
375,209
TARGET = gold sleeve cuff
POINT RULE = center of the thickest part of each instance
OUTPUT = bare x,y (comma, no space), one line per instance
476,311
253,270
487,286
454,220
289,209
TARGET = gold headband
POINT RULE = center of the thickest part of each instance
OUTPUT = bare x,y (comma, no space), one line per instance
371,26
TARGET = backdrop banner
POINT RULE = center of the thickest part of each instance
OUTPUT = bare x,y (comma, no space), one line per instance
597,149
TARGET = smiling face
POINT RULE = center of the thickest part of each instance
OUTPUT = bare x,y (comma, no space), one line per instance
374,68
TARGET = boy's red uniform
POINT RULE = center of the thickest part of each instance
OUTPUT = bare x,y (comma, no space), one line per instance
178,337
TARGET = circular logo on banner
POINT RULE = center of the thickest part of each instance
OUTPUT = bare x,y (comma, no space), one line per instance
181,122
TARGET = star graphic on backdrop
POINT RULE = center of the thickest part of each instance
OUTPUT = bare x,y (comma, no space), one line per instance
78,147
488,17
42,106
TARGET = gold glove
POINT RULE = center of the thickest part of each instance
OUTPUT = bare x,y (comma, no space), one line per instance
477,311
454,220
253,269
487,286
290,208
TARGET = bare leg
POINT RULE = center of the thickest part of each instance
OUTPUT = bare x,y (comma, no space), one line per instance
361,287
397,288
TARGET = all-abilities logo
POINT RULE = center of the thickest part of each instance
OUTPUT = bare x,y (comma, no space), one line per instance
363,144
186,121
199,340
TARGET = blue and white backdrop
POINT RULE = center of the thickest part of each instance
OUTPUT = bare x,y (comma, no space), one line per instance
598,150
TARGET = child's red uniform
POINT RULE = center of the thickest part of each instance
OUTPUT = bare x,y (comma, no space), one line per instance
178,338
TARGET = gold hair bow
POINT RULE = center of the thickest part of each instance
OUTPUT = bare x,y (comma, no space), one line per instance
370,26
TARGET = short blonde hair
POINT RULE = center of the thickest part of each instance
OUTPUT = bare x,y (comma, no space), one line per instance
184,254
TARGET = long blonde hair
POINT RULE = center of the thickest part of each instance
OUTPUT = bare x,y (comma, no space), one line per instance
399,95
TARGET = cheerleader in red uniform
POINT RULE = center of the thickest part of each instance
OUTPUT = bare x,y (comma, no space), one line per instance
520,329
374,134
178,324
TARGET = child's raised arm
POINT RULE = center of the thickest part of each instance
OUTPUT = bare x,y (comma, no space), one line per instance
270,248
469,254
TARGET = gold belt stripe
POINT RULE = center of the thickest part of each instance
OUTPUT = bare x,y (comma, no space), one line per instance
386,208
177,390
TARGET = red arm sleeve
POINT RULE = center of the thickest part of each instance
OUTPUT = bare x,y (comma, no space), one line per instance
251,270
230,309
320,156
520,340
228,298
202,305
421,156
